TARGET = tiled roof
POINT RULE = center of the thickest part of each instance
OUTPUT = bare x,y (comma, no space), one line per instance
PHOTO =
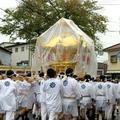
5,50
112,48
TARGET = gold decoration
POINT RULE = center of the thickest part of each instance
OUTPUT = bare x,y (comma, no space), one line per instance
62,66
65,41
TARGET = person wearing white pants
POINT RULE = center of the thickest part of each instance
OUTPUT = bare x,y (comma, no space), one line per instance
88,93
53,95
71,94
41,95
53,116
8,96
1,111
43,111
100,98
118,97
110,96
10,115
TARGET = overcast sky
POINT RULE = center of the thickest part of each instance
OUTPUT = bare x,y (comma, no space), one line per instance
111,9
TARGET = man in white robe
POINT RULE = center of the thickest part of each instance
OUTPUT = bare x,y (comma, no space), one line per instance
23,88
100,98
110,96
118,97
40,96
88,97
1,111
71,94
8,96
53,95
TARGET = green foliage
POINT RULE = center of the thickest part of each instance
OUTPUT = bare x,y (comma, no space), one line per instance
33,17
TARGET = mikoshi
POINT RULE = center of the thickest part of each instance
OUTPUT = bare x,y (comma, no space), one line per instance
65,45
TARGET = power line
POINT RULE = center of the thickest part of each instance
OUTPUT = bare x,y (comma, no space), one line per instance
113,31
110,4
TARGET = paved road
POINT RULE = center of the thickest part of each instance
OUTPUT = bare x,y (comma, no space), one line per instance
117,117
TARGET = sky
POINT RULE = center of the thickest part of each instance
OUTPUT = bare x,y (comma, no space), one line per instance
6,4
110,9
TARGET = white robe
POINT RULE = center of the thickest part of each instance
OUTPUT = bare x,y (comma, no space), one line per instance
8,95
38,89
110,92
118,91
29,98
22,90
71,94
71,88
100,95
52,88
110,96
87,92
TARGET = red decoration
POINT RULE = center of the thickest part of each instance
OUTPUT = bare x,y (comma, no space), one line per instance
64,55
88,60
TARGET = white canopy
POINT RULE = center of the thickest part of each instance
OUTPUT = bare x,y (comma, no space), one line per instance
65,41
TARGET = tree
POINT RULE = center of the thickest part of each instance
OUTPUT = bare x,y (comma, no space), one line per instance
33,17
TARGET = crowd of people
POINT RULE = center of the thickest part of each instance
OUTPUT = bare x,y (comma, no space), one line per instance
53,96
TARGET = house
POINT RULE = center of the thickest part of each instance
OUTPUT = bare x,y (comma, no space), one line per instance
5,57
21,54
113,60
102,68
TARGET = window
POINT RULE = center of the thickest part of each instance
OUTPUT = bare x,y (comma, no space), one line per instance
16,49
113,59
23,63
22,48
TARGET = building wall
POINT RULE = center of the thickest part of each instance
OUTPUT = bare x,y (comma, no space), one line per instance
5,57
102,68
20,55
113,66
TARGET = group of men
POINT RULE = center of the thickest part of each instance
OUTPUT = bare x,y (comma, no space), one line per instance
54,96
